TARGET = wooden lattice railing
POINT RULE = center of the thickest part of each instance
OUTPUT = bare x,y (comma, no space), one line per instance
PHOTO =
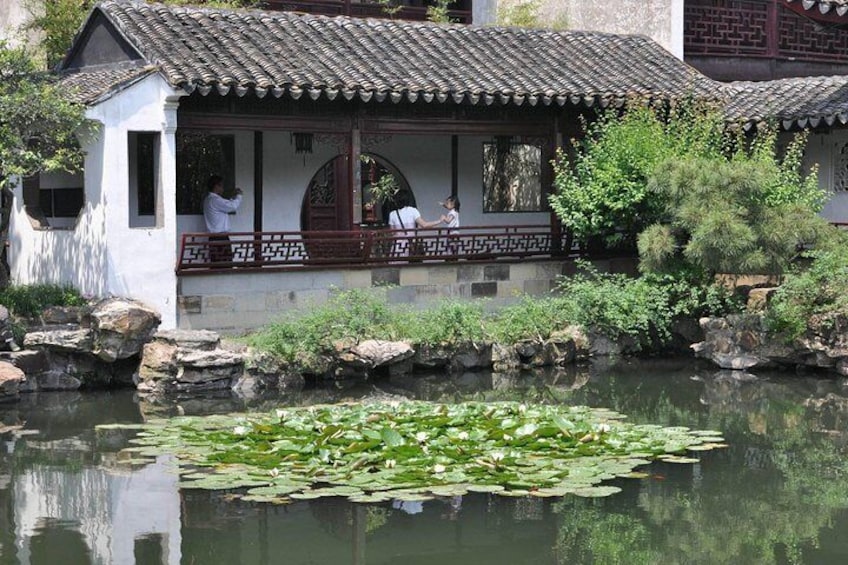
282,250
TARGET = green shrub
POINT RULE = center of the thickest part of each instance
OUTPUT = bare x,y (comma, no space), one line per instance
617,305
28,301
819,291
449,322
355,314
531,318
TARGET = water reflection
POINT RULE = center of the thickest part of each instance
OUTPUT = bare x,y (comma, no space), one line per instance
778,494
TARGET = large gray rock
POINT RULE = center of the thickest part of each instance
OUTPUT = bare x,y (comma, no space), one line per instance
504,358
7,336
196,361
372,355
11,379
121,327
743,342
471,357
75,340
30,361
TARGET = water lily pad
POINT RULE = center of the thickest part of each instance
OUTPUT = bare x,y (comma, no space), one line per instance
596,492
414,450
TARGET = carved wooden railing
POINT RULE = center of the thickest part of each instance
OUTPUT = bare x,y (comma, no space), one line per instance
283,250
407,9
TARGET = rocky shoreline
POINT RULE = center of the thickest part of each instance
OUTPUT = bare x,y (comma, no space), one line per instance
115,343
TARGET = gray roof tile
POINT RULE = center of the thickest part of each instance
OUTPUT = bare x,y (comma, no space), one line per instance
287,53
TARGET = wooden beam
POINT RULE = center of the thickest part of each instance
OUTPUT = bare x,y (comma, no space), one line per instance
441,126
335,124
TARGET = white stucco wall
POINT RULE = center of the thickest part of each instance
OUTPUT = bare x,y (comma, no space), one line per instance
102,254
661,20
13,16
824,149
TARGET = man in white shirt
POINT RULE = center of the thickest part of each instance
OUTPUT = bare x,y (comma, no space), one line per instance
216,213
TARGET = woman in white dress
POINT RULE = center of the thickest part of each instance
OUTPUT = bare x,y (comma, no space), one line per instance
407,219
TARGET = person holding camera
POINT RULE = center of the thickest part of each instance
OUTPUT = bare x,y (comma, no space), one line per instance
216,214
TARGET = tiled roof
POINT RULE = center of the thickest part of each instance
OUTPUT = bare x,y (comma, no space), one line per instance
801,102
88,86
839,7
282,53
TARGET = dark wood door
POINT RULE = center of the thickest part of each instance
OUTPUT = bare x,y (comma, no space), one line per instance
326,204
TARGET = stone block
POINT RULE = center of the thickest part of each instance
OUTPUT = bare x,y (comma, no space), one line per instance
218,303
359,278
442,274
522,271
30,361
401,295
469,273
414,276
481,289
538,287
510,289
310,297
496,273
387,276
253,301
190,304
549,270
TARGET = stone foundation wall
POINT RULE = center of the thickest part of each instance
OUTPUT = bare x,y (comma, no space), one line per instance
239,301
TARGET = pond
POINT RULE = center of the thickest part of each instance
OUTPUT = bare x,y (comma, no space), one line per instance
778,494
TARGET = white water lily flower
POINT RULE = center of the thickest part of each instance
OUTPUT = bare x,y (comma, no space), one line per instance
604,428
522,408
421,437
437,468
240,430
274,473
507,437
462,435
497,456
390,463
280,413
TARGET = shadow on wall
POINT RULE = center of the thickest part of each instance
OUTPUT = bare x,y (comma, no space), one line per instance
73,256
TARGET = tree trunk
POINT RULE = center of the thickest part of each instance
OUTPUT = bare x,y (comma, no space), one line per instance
6,200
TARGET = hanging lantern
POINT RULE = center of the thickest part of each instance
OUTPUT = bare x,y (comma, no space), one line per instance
302,143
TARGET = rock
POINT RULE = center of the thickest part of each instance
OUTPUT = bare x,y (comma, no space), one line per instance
558,351
199,340
504,358
575,334
432,356
121,327
30,361
7,335
378,353
842,367
471,357
53,380
11,379
758,298
527,349
158,361
65,315
77,340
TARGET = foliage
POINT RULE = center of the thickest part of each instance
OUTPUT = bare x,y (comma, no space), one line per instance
618,305
38,126
525,13
450,322
604,192
389,7
383,189
531,318
416,450
439,11
353,314
813,295
58,21
31,300
750,214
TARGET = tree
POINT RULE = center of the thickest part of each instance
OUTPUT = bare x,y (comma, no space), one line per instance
38,130
60,20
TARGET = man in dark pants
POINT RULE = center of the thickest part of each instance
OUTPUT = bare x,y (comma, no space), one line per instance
216,213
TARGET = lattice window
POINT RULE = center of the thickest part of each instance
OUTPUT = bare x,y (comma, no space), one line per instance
840,177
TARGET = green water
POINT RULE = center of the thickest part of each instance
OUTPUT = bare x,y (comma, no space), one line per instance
778,495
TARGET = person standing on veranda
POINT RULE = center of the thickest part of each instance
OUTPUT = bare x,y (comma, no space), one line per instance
216,214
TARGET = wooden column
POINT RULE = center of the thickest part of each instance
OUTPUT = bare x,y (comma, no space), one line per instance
355,192
454,166
258,154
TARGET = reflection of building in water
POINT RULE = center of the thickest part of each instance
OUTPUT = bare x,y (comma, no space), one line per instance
114,511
